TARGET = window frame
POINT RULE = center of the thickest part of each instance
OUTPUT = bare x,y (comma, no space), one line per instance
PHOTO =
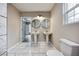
65,13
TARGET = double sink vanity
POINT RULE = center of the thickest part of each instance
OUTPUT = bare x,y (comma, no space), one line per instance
43,36
40,29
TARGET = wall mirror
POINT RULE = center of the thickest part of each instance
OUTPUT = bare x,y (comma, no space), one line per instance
35,23
45,23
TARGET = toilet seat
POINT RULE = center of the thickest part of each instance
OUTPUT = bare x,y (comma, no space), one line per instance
54,53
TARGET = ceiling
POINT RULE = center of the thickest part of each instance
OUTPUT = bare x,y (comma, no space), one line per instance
34,7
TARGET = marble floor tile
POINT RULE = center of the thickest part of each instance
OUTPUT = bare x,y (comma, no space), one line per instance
28,49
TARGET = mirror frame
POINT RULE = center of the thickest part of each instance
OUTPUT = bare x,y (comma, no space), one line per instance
35,22
45,24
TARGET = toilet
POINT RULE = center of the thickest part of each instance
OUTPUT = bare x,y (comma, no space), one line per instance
67,48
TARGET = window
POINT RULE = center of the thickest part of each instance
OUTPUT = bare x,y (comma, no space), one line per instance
71,13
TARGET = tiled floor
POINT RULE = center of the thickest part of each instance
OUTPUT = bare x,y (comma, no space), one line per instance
28,49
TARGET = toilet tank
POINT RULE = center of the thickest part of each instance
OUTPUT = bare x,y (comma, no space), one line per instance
69,48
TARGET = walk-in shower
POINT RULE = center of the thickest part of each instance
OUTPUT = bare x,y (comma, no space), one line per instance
26,29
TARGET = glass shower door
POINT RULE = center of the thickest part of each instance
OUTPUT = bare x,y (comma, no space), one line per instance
26,30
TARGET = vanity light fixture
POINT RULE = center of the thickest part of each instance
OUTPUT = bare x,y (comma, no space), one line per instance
40,17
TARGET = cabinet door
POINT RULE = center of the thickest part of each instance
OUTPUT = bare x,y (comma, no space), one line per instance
2,25
3,9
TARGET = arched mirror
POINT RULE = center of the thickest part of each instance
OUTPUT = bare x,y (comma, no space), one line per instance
45,23
36,23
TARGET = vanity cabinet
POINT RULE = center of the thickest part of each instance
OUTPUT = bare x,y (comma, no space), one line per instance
3,29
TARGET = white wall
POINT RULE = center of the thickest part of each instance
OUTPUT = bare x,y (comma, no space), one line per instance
70,32
13,25
34,14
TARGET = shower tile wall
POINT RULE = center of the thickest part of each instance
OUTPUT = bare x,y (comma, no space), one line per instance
3,33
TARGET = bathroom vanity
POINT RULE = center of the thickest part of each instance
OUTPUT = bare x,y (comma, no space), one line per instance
40,29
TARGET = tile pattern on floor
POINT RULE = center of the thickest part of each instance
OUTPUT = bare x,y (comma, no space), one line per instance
28,49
